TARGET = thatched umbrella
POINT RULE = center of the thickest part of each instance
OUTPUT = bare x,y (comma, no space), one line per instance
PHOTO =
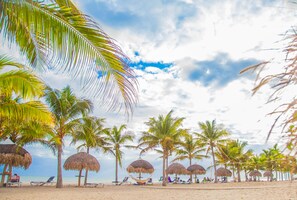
140,166
255,173
13,156
196,169
268,174
223,172
82,161
176,168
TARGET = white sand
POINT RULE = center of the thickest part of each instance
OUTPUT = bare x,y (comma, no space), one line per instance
236,191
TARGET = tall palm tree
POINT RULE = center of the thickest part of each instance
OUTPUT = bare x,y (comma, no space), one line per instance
211,136
57,35
238,156
267,157
189,148
164,132
90,131
117,140
67,110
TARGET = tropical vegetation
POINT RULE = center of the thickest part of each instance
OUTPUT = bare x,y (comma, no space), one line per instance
164,132
117,139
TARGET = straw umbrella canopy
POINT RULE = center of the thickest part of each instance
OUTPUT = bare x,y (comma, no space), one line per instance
140,166
267,174
13,156
255,173
223,172
196,169
82,161
176,168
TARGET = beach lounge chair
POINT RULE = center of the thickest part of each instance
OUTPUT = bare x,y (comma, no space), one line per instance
125,180
14,180
139,181
94,185
41,183
150,181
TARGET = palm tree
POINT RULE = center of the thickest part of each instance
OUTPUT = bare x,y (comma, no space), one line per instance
22,117
57,35
164,132
90,131
117,140
255,162
267,157
19,94
67,110
211,136
189,148
237,155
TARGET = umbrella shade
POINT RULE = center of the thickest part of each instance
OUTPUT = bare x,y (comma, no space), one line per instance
140,166
196,169
255,173
81,161
15,156
267,174
176,168
223,172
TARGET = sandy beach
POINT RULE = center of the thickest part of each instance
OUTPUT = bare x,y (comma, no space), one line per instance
249,191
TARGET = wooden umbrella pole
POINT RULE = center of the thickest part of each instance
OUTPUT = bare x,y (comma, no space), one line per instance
79,175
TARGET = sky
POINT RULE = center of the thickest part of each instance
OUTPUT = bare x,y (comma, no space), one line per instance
187,55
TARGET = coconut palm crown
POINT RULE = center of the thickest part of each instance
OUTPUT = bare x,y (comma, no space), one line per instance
211,135
56,35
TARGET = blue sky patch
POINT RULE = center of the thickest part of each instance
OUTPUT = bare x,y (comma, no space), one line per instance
220,70
142,65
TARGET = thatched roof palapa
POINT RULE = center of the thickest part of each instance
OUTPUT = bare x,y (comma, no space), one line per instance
255,173
223,172
81,161
176,168
140,166
15,156
196,169
267,174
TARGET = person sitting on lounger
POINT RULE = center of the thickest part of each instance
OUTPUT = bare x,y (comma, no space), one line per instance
15,178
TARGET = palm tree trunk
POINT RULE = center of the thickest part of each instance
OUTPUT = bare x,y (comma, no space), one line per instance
79,176
191,177
214,164
246,177
9,173
116,171
167,162
59,179
233,172
164,173
238,173
87,170
3,175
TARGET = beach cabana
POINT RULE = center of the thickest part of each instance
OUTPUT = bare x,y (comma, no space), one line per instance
177,169
12,155
196,169
82,161
268,174
140,166
223,172
254,174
